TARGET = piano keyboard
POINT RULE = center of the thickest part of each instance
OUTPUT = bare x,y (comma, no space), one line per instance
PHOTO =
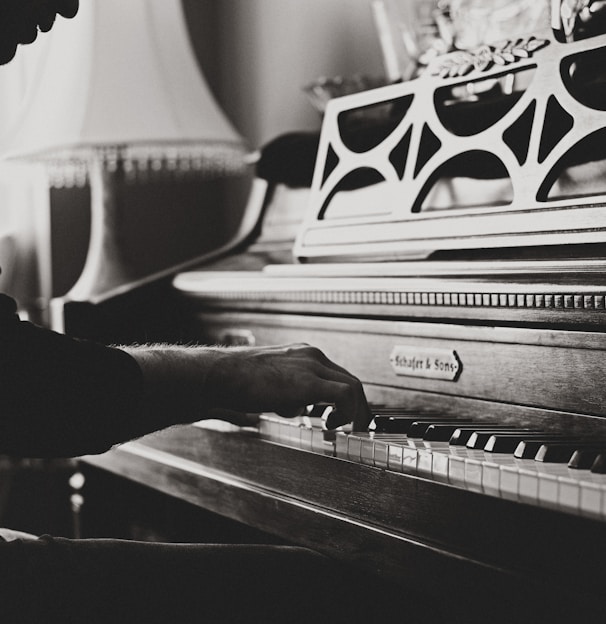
529,466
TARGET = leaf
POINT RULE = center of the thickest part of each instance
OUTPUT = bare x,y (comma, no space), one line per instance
520,52
483,58
535,44
465,69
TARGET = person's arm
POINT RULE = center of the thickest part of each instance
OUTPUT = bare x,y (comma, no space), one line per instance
65,397
183,384
60,396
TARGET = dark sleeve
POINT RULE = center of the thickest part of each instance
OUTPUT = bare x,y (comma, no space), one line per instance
60,396
107,581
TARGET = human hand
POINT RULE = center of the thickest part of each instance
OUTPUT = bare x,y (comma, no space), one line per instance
20,21
284,379
236,383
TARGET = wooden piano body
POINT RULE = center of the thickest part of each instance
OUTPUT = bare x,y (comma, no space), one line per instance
409,301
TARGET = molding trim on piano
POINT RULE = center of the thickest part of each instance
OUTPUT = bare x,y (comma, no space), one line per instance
537,300
504,156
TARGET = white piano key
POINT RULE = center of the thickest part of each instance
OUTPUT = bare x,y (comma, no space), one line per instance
473,474
394,456
367,450
424,462
295,433
569,493
547,492
321,445
354,445
556,486
539,484
472,467
528,485
270,427
380,453
427,453
492,469
509,481
284,428
456,471
591,496
491,478
439,468
409,459
381,447
306,437
341,444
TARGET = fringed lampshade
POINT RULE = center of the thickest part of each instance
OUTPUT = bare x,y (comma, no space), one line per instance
119,98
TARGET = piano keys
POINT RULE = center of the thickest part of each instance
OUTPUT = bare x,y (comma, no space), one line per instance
554,482
412,512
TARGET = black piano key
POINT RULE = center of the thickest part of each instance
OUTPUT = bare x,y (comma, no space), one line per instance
508,442
478,439
505,443
419,428
319,410
404,411
584,458
562,452
529,447
442,432
398,424
461,436
599,465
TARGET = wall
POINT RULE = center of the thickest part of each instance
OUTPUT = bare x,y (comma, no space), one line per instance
258,54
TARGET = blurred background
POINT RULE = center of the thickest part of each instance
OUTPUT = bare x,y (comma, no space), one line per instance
256,55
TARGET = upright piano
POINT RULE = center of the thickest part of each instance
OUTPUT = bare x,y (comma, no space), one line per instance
452,256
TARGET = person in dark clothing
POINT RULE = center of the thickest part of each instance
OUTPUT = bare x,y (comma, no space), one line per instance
64,397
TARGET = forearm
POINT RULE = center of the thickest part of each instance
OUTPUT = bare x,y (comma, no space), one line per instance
64,397
100,581
185,384
175,384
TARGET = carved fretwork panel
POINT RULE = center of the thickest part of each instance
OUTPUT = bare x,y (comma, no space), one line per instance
502,147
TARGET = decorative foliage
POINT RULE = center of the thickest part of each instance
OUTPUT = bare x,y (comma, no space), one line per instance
462,62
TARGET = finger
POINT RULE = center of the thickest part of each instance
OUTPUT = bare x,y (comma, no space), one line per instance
350,402
241,419
291,412
359,414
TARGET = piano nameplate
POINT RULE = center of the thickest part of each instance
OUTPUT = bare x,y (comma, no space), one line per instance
426,362
532,367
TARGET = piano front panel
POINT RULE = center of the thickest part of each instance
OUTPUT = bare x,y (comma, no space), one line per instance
530,376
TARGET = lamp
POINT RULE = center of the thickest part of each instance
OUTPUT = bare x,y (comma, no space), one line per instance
117,99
